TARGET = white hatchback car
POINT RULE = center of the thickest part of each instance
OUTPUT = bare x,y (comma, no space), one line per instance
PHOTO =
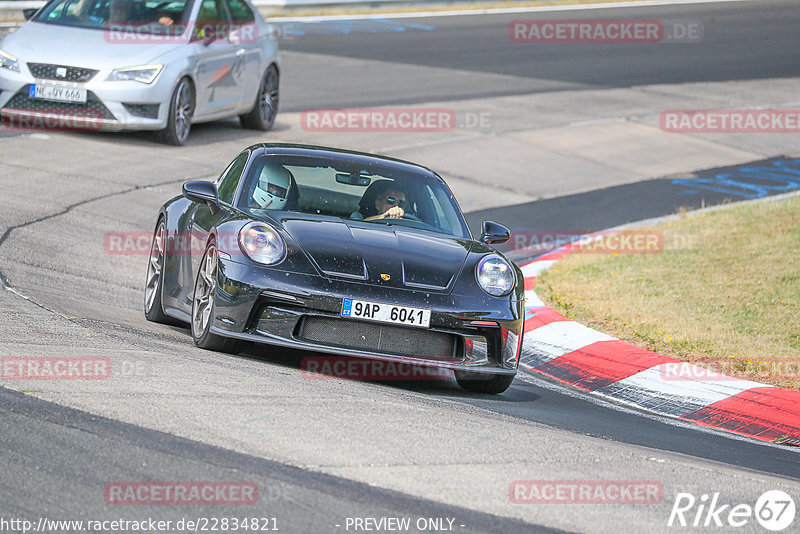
141,65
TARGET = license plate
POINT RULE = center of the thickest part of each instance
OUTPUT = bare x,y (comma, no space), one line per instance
57,93
386,313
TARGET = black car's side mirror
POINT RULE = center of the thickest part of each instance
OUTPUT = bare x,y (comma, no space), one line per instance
202,191
493,232
29,13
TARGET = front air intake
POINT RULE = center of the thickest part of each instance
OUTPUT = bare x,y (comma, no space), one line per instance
380,338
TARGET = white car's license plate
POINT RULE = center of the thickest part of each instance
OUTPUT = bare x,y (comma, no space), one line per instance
58,93
386,313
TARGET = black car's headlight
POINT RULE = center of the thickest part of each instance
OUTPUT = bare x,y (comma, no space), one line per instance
7,61
495,275
262,243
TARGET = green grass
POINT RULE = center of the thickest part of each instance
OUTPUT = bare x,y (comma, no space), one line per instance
724,293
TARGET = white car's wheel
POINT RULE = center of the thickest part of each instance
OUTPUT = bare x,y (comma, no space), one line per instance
181,110
262,116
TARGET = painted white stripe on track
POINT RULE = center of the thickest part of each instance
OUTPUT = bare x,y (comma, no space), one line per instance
556,339
492,11
532,300
533,269
667,390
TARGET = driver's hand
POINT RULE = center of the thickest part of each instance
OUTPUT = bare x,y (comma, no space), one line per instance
166,21
395,212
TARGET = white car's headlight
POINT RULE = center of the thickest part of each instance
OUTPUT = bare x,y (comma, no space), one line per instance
260,242
495,275
7,61
142,73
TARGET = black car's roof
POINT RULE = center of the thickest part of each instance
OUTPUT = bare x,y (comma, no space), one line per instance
349,155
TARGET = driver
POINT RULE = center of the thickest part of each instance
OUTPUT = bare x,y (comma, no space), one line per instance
390,204
272,189
80,11
127,11
120,11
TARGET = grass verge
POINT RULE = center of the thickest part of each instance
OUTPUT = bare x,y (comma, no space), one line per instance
724,293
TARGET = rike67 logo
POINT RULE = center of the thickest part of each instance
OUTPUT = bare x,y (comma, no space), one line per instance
774,510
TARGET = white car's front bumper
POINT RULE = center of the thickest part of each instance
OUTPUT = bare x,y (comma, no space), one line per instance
110,105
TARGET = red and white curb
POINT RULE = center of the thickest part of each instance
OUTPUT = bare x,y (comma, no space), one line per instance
592,361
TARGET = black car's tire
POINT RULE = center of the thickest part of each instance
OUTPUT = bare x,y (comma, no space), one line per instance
181,110
262,116
205,287
154,284
479,384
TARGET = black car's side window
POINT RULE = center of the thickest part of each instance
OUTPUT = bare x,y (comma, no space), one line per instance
240,12
226,187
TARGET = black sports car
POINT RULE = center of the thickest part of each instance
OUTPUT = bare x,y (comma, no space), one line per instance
338,252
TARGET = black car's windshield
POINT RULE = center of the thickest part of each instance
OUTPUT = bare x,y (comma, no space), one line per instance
374,192
140,16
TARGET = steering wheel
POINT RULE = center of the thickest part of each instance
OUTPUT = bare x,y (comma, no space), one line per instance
411,217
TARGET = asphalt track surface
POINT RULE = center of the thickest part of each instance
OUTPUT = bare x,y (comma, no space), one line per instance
741,41
294,497
623,204
55,460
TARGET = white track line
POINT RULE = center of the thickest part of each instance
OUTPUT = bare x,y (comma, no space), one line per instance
500,11
554,340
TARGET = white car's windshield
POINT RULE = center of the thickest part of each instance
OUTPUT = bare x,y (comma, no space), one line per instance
371,193
141,16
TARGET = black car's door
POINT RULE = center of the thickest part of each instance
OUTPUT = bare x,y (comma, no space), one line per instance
202,223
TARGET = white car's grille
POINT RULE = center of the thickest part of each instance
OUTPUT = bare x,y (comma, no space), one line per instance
64,73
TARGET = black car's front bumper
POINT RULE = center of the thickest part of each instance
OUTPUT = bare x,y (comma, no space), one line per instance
476,333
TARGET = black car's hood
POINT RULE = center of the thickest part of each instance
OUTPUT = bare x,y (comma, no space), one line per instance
393,256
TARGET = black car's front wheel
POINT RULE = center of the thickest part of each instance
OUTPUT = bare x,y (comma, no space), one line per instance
154,285
479,383
181,110
263,114
205,287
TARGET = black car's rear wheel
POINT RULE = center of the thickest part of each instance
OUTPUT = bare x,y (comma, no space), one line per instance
153,310
262,116
479,383
181,110
205,287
